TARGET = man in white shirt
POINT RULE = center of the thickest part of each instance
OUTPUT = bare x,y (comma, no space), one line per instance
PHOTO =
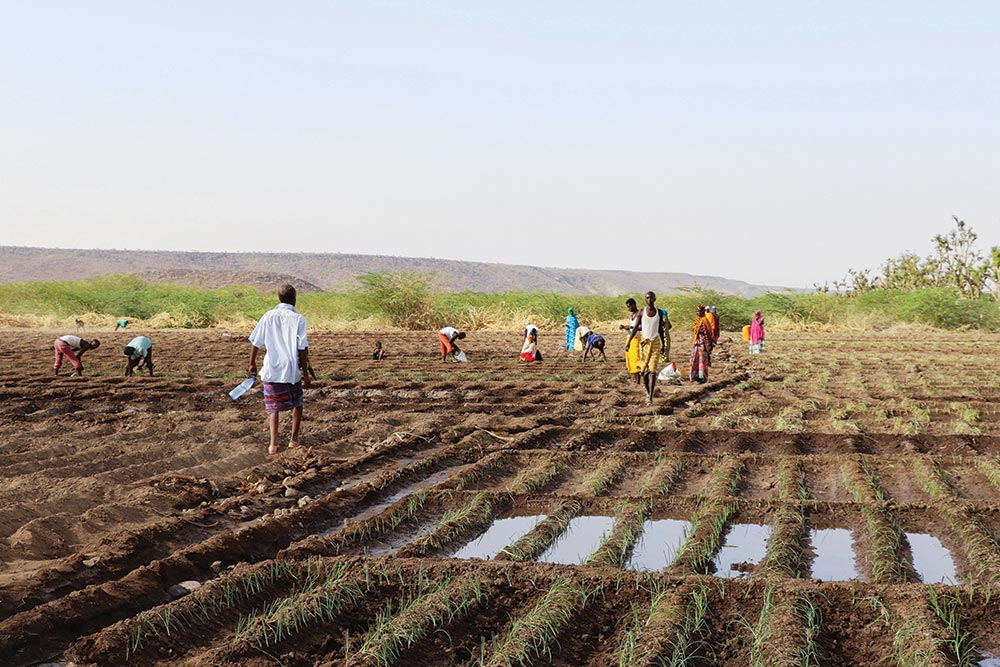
282,331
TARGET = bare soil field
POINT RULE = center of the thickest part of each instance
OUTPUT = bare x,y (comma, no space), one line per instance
835,501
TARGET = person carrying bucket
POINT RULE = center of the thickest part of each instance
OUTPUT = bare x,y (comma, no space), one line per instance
447,338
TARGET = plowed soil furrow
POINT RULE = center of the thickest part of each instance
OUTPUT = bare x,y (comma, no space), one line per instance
796,504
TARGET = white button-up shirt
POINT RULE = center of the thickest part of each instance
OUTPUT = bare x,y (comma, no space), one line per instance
282,331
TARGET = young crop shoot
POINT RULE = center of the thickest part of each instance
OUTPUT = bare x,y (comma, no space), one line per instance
456,523
708,527
534,635
598,482
784,549
664,477
617,548
207,606
885,538
957,643
672,633
979,543
792,480
786,631
417,619
532,545
484,468
382,524
535,478
932,479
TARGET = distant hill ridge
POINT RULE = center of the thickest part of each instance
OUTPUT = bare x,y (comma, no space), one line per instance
313,271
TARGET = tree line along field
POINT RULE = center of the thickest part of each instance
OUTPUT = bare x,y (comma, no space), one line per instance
835,501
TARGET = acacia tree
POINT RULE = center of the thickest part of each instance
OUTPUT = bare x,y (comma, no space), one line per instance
956,262
405,299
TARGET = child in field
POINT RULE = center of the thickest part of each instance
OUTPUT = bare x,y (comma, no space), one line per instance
121,324
378,354
592,341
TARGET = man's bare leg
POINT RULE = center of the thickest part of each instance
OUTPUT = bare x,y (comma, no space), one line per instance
296,421
649,384
272,424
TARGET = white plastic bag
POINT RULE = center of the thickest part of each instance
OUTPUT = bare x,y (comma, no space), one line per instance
669,372
460,356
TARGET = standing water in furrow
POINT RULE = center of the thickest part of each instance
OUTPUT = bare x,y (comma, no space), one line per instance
580,539
502,533
658,546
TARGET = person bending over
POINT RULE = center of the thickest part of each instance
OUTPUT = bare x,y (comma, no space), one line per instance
592,342
72,347
138,353
447,338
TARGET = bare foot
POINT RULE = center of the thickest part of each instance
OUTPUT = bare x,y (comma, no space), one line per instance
272,449
293,444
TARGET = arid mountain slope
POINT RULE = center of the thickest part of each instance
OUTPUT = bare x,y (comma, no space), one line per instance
330,271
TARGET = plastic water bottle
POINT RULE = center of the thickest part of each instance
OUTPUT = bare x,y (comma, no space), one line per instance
242,387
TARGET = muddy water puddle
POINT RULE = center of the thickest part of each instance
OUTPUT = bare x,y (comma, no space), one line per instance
931,560
581,538
659,543
374,471
409,489
744,548
504,532
835,559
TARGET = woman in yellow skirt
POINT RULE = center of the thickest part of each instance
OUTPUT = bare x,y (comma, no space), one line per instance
632,352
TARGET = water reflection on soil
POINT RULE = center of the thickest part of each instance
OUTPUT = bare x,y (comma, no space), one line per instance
835,559
580,539
931,560
502,533
745,546
659,543
388,501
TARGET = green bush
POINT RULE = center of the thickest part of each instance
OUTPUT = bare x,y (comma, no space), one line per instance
408,301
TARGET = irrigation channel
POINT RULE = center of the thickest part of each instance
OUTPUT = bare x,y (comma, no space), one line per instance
799,509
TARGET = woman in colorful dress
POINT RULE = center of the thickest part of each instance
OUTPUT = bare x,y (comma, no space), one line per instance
571,324
701,347
757,333
632,351
529,350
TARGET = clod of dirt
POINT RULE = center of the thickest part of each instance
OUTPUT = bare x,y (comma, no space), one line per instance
216,566
291,482
292,492
304,500
91,562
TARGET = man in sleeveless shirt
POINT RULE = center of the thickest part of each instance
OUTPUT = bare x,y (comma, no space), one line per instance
650,333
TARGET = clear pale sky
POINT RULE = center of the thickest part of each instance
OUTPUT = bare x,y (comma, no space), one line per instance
774,142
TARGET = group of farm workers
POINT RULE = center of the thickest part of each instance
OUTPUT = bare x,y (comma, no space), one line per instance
138,353
285,370
647,342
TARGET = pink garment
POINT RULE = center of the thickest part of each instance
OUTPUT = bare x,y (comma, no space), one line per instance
64,350
756,329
